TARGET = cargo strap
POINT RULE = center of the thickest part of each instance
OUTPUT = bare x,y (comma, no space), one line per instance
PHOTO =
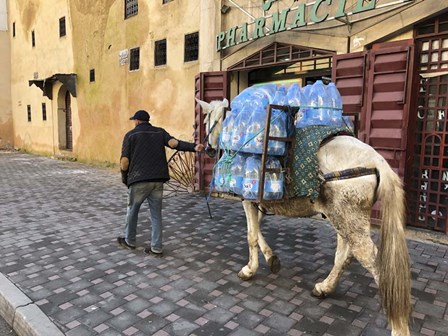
347,174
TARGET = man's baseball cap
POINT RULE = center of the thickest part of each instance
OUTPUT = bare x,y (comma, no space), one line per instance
140,115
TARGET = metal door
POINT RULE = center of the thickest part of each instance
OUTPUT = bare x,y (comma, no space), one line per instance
208,86
428,177
374,86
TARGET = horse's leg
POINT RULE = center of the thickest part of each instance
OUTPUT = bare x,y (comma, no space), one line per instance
271,259
352,226
253,229
342,259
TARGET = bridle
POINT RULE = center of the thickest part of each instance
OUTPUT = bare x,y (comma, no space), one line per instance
211,152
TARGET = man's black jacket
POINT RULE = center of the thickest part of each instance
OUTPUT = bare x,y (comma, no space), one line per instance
144,146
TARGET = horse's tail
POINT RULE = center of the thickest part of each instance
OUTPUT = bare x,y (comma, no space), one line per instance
393,258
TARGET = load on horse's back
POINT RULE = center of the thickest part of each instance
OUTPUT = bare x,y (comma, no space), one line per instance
347,204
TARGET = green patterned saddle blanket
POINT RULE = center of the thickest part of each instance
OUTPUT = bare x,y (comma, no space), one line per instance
304,165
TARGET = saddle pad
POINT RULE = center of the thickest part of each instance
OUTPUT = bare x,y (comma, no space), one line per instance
304,165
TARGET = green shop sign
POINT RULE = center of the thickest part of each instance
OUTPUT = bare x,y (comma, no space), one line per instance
291,18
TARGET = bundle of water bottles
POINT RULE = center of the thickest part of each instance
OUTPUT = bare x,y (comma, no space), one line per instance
242,136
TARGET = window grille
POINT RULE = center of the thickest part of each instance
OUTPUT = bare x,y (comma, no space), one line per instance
134,62
160,53
130,8
62,30
44,111
92,75
28,110
191,47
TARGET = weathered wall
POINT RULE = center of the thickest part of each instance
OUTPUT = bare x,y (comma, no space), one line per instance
96,33
6,124
105,106
51,55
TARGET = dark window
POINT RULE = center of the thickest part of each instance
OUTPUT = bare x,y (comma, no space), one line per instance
62,30
92,75
130,8
33,39
166,1
191,47
44,111
13,29
28,110
134,62
160,53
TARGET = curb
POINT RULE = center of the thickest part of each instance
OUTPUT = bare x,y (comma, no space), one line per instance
24,317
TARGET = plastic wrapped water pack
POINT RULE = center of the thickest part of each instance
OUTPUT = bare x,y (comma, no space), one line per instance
273,184
321,105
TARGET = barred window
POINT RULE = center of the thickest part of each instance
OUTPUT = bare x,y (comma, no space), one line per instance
62,30
92,75
44,111
28,111
160,53
134,62
130,8
191,47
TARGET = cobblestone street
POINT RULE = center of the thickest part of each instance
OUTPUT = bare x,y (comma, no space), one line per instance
59,222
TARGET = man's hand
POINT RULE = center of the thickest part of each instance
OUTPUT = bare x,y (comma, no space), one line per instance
199,148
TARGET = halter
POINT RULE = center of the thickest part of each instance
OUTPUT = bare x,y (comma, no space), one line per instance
211,152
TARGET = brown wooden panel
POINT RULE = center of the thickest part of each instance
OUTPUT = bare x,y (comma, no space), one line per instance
387,108
348,74
209,86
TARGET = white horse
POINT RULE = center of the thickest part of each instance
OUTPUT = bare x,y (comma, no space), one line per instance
347,205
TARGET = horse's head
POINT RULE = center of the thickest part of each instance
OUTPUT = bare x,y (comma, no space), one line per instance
214,112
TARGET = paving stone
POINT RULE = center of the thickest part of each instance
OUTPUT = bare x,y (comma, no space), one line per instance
59,226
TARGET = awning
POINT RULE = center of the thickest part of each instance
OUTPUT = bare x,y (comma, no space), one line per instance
46,85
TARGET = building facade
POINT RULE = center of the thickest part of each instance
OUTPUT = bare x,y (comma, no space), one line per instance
79,69
6,127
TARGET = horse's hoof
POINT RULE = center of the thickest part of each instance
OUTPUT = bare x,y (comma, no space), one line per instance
318,294
244,277
274,264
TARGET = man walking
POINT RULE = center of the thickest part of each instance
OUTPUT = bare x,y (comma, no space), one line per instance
144,170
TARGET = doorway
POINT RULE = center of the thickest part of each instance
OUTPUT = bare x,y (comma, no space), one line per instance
428,182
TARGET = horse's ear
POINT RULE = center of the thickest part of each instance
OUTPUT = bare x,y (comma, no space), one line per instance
206,108
225,102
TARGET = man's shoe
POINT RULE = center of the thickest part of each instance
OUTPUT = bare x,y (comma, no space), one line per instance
123,243
150,251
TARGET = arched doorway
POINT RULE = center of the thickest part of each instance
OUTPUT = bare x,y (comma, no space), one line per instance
68,122
65,133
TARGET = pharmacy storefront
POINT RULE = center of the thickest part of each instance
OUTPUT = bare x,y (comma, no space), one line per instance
388,59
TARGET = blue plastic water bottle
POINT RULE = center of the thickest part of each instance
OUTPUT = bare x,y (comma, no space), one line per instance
222,174
335,101
251,177
255,131
273,181
318,102
227,130
237,173
278,123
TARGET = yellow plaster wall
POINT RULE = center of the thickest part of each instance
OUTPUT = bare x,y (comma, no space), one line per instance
96,33
6,123
51,55
99,34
